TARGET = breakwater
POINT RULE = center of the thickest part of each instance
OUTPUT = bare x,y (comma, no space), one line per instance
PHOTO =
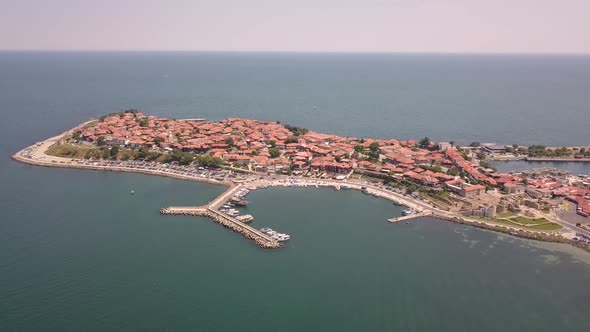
522,233
260,239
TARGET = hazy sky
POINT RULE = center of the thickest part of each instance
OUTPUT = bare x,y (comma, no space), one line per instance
499,26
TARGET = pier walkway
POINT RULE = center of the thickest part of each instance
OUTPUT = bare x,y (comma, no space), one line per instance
211,210
409,217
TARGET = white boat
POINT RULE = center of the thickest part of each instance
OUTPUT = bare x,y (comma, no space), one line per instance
281,237
233,212
266,229
408,212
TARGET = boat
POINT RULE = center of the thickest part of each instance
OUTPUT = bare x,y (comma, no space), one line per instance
232,212
132,192
245,218
281,237
238,201
408,212
265,229
396,202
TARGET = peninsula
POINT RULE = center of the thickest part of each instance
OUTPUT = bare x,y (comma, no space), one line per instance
429,178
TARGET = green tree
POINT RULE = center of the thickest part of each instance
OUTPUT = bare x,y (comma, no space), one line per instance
297,131
106,153
291,139
100,141
424,143
475,144
452,171
229,141
143,122
273,144
359,148
158,140
374,147
143,152
274,152
338,159
114,152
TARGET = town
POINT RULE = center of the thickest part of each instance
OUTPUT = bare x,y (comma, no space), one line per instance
447,177
271,147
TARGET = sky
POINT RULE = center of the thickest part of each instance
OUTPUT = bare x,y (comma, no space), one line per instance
421,26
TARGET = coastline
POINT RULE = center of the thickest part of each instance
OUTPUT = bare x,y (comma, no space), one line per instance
35,155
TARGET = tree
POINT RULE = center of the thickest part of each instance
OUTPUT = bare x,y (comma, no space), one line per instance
229,141
274,152
106,153
359,148
425,142
158,140
452,171
143,122
76,135
100,141
337,159
475,144
273,144
186,159
114,152
297,131
291,139
143,153
452,143
374,147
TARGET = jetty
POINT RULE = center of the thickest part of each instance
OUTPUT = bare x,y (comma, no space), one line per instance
408,217
211,211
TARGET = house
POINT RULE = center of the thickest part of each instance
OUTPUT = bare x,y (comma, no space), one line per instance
538,192
513,188
471,191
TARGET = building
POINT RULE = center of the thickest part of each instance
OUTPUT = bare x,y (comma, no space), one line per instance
471,191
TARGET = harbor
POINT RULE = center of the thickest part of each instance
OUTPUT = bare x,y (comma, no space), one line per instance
224,208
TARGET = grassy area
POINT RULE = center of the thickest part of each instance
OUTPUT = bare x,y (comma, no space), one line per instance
69,151
529,221
506,214
547,227
538,226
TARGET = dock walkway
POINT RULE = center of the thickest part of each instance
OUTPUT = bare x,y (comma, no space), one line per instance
211,210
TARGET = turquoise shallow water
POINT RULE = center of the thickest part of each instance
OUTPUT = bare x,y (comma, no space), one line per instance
78,252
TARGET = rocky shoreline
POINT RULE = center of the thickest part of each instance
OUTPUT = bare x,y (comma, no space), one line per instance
539,236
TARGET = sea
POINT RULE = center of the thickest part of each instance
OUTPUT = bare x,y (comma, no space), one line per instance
79,252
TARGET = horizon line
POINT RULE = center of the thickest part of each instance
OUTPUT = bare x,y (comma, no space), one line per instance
293,52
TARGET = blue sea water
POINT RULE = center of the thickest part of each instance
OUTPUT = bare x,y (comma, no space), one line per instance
78,252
